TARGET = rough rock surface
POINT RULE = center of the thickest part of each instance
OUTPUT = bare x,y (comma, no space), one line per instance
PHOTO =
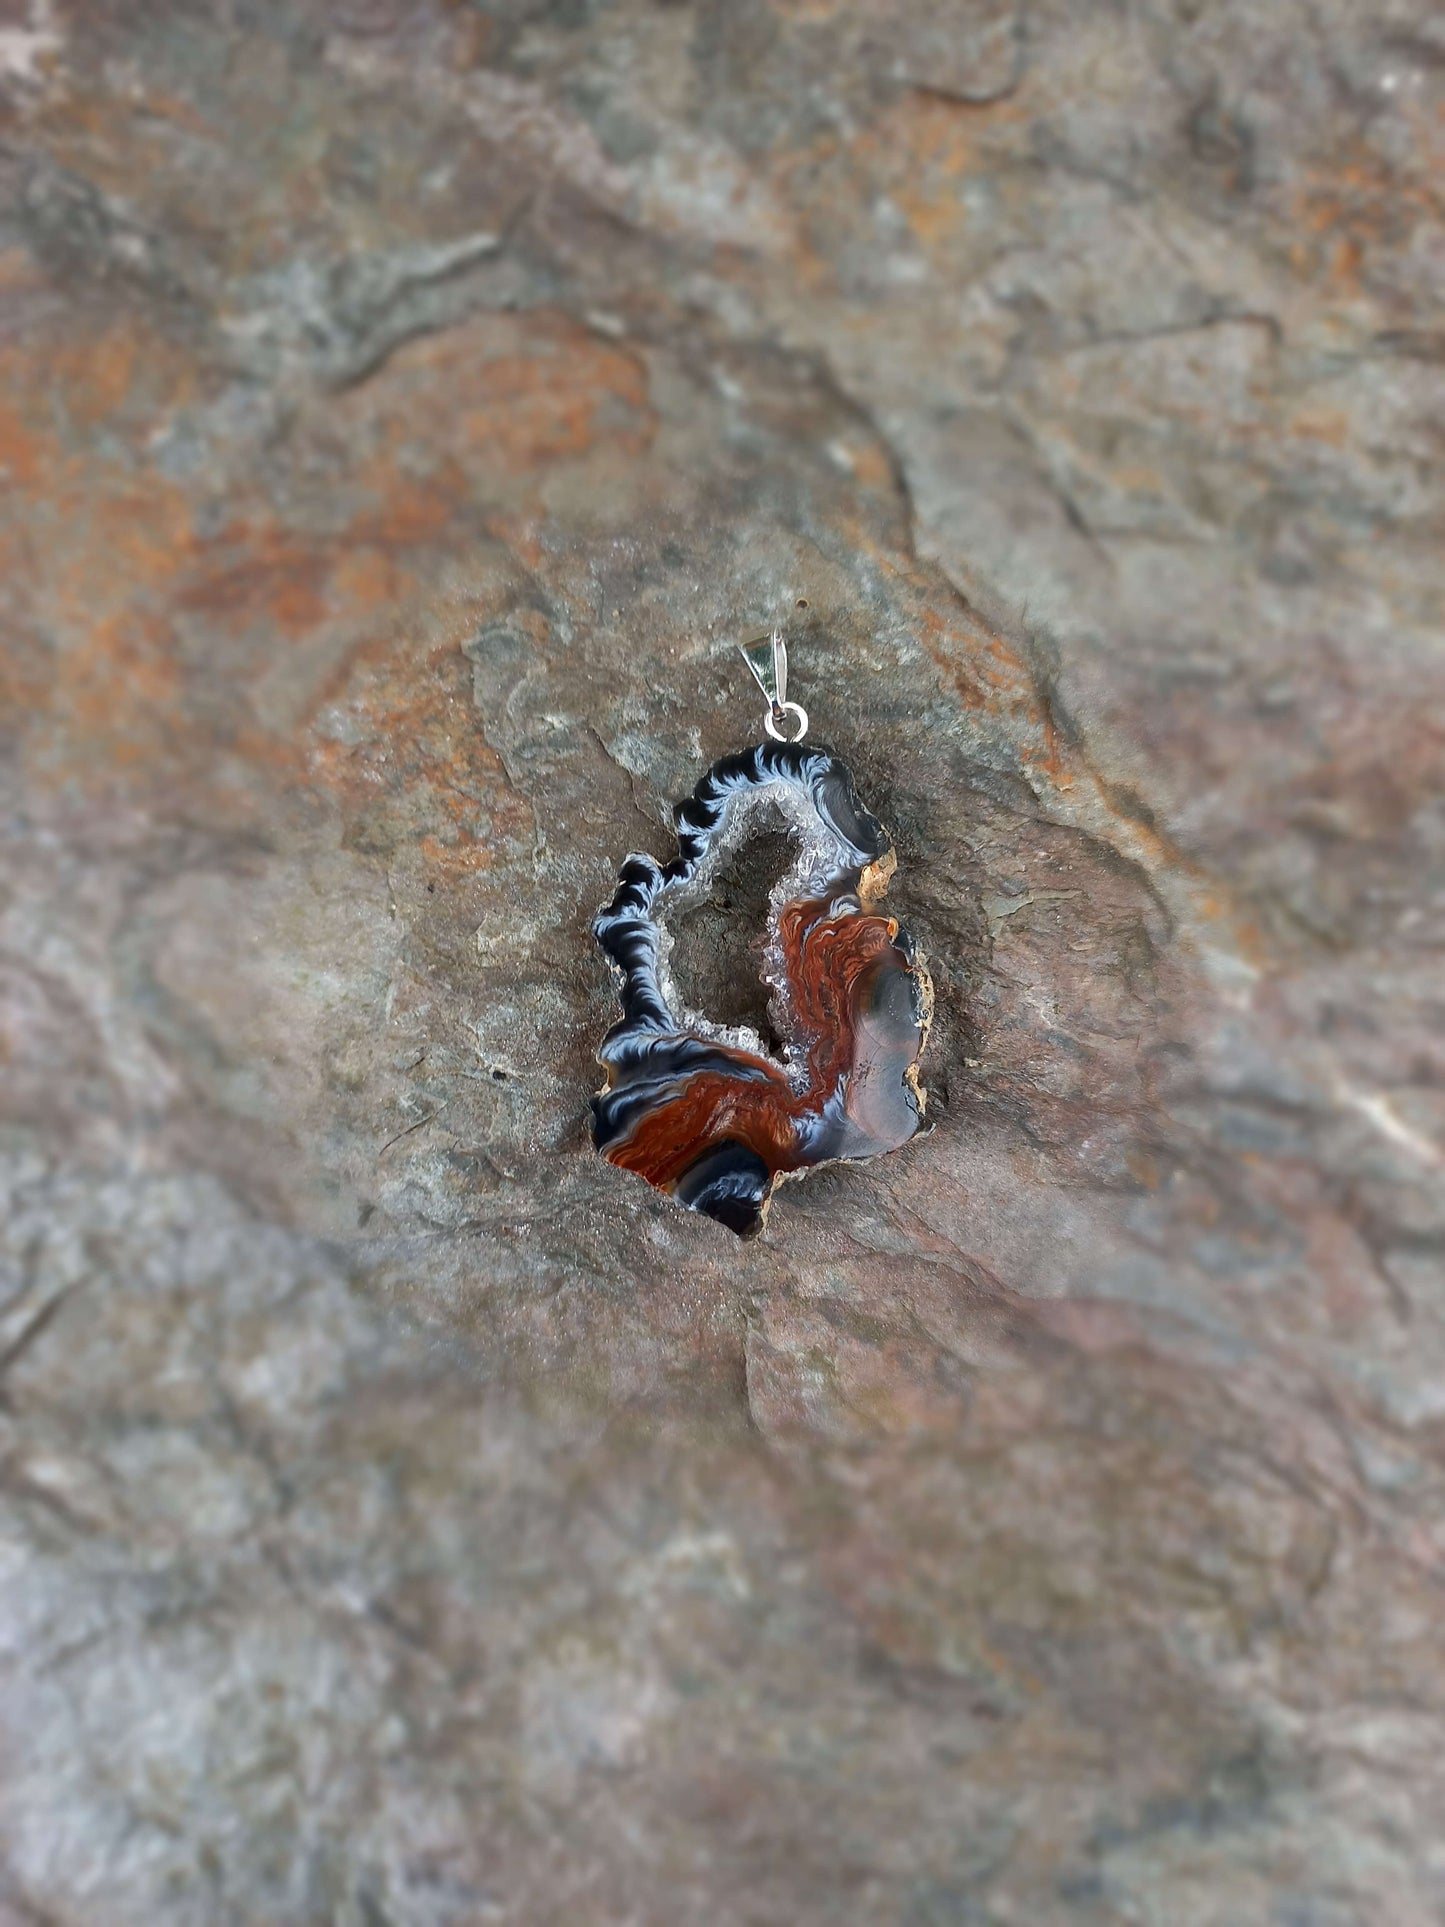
411,1521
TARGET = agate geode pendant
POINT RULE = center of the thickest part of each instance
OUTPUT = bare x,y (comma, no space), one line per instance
710,1114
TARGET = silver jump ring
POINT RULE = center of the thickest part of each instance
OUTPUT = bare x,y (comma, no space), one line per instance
770,722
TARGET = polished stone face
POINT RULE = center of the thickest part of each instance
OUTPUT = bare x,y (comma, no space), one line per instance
708,1115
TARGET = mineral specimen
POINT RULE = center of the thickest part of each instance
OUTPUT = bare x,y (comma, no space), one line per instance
708,1114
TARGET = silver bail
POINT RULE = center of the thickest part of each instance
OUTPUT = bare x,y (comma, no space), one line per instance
766,655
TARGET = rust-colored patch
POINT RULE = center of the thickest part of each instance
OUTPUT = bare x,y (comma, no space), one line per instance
157,615
924,147
1361,206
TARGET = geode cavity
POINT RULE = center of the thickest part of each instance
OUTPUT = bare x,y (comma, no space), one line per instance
708,1114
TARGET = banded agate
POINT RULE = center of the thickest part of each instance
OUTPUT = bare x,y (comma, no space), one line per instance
709,1114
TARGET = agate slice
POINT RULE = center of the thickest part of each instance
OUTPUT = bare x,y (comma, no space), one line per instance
709,1114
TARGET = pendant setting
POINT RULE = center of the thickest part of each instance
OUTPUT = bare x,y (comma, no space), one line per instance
706,1112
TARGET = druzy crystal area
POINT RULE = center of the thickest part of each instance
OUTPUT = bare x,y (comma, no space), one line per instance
709,1114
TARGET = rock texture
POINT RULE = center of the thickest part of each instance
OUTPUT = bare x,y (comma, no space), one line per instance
409,1520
